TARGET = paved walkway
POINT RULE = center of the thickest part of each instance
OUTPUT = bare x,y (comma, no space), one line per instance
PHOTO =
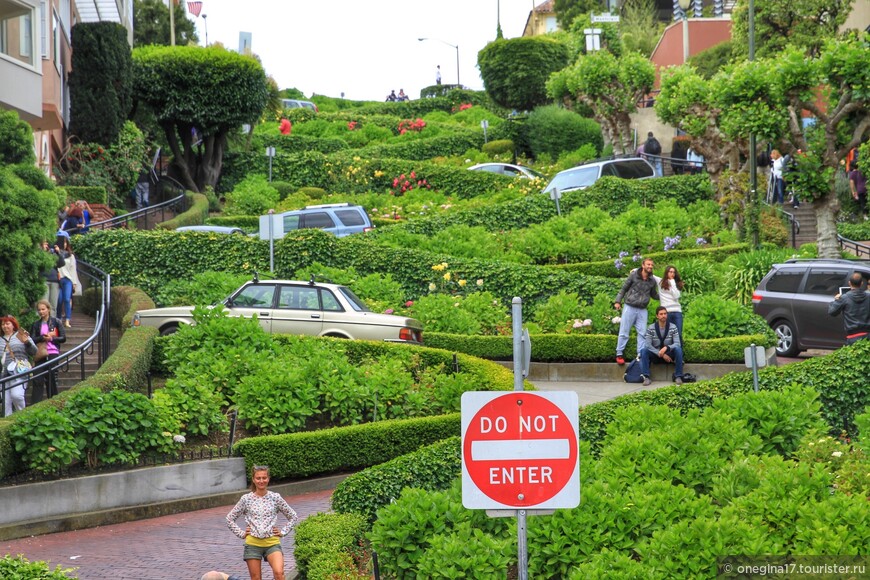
176,547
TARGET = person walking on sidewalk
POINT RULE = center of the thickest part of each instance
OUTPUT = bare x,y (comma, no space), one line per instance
635,293
261,534
855,306
662,343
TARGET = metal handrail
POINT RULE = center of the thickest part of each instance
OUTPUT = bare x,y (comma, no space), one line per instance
857,248
793,222
99,339
164,183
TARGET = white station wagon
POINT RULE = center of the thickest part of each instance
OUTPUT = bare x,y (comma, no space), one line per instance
294,307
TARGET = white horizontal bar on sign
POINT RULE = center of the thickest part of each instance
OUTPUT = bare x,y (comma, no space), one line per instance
520,449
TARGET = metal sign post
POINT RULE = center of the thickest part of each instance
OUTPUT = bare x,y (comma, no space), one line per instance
556,195
270,153
754,359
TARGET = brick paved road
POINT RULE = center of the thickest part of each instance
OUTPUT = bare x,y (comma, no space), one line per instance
176,547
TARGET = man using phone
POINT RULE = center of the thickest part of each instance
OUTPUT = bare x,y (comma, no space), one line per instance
855,306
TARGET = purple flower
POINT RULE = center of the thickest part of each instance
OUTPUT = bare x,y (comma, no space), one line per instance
700,242
636,258
623,254
388,311
618,264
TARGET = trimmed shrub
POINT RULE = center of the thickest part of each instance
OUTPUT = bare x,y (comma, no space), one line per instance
498,147
515,71
325,542
552,130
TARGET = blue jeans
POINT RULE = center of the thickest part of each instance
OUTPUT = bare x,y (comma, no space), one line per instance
631,316
676,318
64,299
647,356
657,165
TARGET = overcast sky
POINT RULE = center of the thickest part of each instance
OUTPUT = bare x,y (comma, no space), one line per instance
363,48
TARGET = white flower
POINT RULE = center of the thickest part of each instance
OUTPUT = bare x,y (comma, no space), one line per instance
480,281
431,287
587,322
178,438
837,454
615,320
577,323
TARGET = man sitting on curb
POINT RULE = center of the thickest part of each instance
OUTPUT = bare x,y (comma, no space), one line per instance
662,343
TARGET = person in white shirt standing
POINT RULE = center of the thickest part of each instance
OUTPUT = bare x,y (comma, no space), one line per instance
670,288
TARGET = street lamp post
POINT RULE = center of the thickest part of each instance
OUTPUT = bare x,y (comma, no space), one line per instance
684,6
456,46
205,25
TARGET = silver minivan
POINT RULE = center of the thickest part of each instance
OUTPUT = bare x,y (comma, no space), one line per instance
585,175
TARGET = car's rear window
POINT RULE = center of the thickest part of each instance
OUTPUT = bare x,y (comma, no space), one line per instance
785,281
631,169
350,217
355,302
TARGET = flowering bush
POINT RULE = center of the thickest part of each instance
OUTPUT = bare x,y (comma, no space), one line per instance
403,184
353,125
462,107
406,125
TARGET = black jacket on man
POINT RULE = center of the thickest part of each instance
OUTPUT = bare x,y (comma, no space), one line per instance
855,306
636,291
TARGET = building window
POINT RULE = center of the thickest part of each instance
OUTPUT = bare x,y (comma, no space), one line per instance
16,31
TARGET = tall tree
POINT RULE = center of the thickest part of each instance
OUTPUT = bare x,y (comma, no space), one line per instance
769,98
610,86
567,11
151,24
199,93
101,88
805,23
515,71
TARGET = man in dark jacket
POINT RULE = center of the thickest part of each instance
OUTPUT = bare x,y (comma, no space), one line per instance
662,344
855,306
635,293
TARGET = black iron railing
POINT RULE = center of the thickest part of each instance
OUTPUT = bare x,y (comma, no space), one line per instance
74,360
856,248
168,194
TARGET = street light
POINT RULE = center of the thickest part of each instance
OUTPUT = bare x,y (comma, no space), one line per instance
684,6
205,24
456,46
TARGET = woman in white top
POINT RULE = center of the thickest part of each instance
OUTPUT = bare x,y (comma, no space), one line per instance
670,287
776,166
68,277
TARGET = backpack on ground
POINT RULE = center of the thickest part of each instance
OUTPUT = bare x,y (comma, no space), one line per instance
632,372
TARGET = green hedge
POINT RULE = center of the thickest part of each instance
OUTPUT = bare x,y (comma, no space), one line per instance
298,455
856,232
249,223
296,143
840,378
127,368
324,541
713,254
91,194
194,216
347,173
432,467
585,347
456,143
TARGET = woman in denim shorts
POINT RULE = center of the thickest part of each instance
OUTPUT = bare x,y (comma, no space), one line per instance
261,534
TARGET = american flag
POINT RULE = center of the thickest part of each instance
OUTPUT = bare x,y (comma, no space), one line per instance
194,8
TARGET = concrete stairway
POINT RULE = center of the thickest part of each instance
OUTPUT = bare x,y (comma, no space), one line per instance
82,327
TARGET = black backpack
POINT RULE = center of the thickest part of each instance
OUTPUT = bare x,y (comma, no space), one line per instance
652,146
632,372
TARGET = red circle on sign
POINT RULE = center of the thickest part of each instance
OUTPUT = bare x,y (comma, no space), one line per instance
520,449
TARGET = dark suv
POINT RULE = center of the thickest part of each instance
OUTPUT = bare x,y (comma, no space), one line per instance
794,296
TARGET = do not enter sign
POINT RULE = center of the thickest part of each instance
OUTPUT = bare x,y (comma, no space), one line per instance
519,450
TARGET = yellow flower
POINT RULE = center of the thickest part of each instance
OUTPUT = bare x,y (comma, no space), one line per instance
443,265
379,173
462,283
447,276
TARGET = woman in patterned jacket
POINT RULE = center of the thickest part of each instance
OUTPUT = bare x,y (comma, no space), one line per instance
261,534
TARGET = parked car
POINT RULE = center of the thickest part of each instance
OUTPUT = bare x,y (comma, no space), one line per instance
293,307
793,298
509,169
341,219
585,175
298,104
214,229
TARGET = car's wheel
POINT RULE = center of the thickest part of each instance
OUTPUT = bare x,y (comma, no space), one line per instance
786,338
167,330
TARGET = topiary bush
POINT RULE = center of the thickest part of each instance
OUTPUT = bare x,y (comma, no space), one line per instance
552,130
252,196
